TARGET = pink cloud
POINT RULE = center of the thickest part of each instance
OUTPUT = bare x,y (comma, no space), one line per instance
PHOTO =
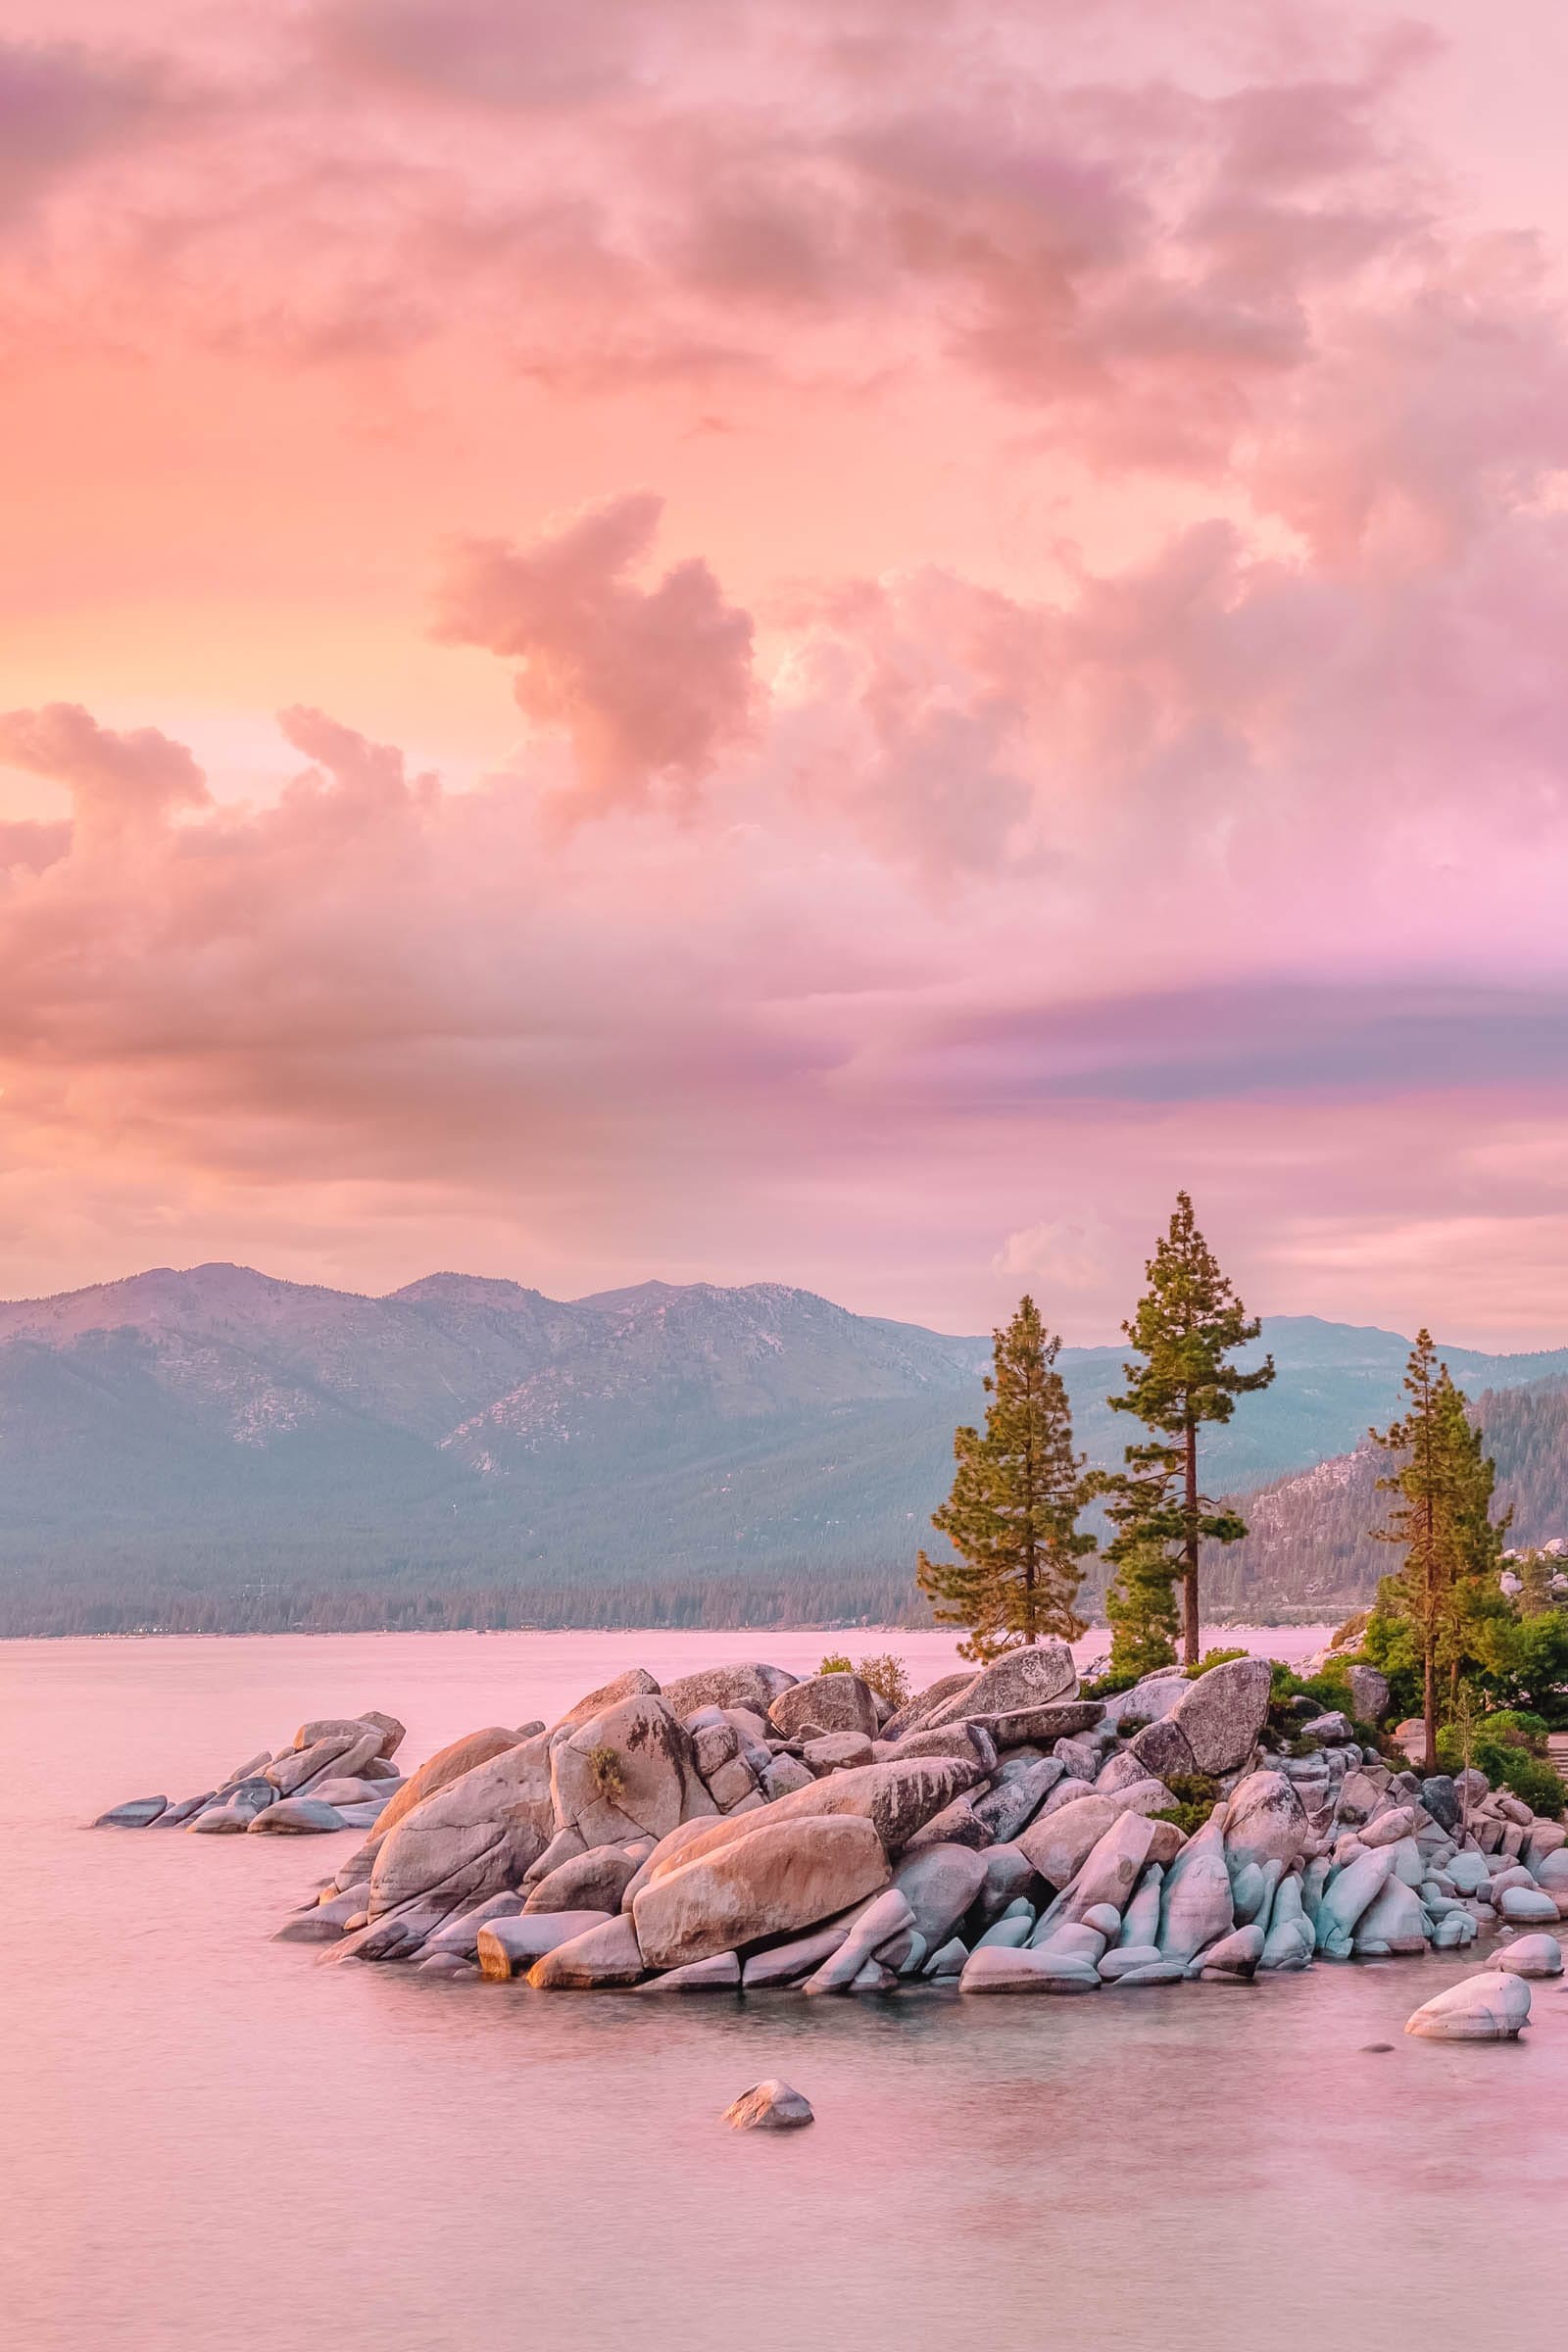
651,684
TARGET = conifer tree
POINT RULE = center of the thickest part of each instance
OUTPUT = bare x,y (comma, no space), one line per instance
1013,1515
1141,1599
1445,1594
1185,1326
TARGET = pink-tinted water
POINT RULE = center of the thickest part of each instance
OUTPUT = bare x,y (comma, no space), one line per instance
210,2141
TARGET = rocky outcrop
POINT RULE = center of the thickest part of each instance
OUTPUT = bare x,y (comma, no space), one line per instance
339,1763
634,1845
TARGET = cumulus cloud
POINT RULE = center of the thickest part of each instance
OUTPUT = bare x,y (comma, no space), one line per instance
650,684
114,780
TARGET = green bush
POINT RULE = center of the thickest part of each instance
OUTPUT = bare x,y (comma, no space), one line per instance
1106,1686
1212,1658
887,1676
1509,1747
609,1777
1188,1819
1129,1725
835,1663
1194,1789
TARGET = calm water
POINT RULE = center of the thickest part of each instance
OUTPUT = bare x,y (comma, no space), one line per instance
214,2142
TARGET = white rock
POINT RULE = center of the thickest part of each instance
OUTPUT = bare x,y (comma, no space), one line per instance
1491,2007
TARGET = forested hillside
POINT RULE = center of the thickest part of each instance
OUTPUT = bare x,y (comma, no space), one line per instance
1311,1536
213,1449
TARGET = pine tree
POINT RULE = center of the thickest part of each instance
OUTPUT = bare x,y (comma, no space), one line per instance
1013,1515
1445,1597
1141,1599
1186,1325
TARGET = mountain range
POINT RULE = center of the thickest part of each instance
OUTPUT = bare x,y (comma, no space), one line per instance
216,1449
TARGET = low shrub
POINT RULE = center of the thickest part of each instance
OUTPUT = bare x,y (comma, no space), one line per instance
887,1677
835,1663
608,1776
1106,1686
1212,1658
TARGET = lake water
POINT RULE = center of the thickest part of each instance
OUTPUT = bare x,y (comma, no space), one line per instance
212,2143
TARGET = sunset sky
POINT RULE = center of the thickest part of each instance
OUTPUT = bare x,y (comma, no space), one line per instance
823,640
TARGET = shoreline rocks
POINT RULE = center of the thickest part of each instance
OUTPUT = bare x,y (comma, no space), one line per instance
335,1774
997,1834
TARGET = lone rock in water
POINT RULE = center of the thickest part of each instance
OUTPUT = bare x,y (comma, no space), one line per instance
772,2106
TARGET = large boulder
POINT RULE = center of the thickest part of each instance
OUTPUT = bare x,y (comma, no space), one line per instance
1196,1907
898,1800
295,1817
1058,1843
1265,1821
136,1813
626,1773
754,1686
939,1883
1528,1906
472,1836
995,1968
592,1882
636,1683
1290,1942
784,1877
1055,1719
827,1702
508,1946
1112,1866
1162,1750
1014,1801
919,1711
885,1917
603,1955
1024,1678
342,1752
1234,1959
1491,2007
1391,1922
1348,1895
789,1962
448,1764
1221,1714
947,1740
1531,1956
1369,1693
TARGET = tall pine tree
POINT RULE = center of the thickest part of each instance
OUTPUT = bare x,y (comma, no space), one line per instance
1143,1507
1186,1325
1013,1515
1440,1604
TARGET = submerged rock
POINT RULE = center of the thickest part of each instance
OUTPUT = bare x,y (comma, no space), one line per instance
1491,2007
772,2106
136,1813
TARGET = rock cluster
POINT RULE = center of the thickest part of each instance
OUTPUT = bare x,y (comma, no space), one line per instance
336,1774
742,1829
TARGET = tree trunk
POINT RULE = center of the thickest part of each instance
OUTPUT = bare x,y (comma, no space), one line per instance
1430,1696
1190,1628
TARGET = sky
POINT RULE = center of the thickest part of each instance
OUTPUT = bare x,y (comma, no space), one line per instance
834,641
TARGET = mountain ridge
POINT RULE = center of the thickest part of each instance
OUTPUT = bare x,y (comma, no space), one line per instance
167,1439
